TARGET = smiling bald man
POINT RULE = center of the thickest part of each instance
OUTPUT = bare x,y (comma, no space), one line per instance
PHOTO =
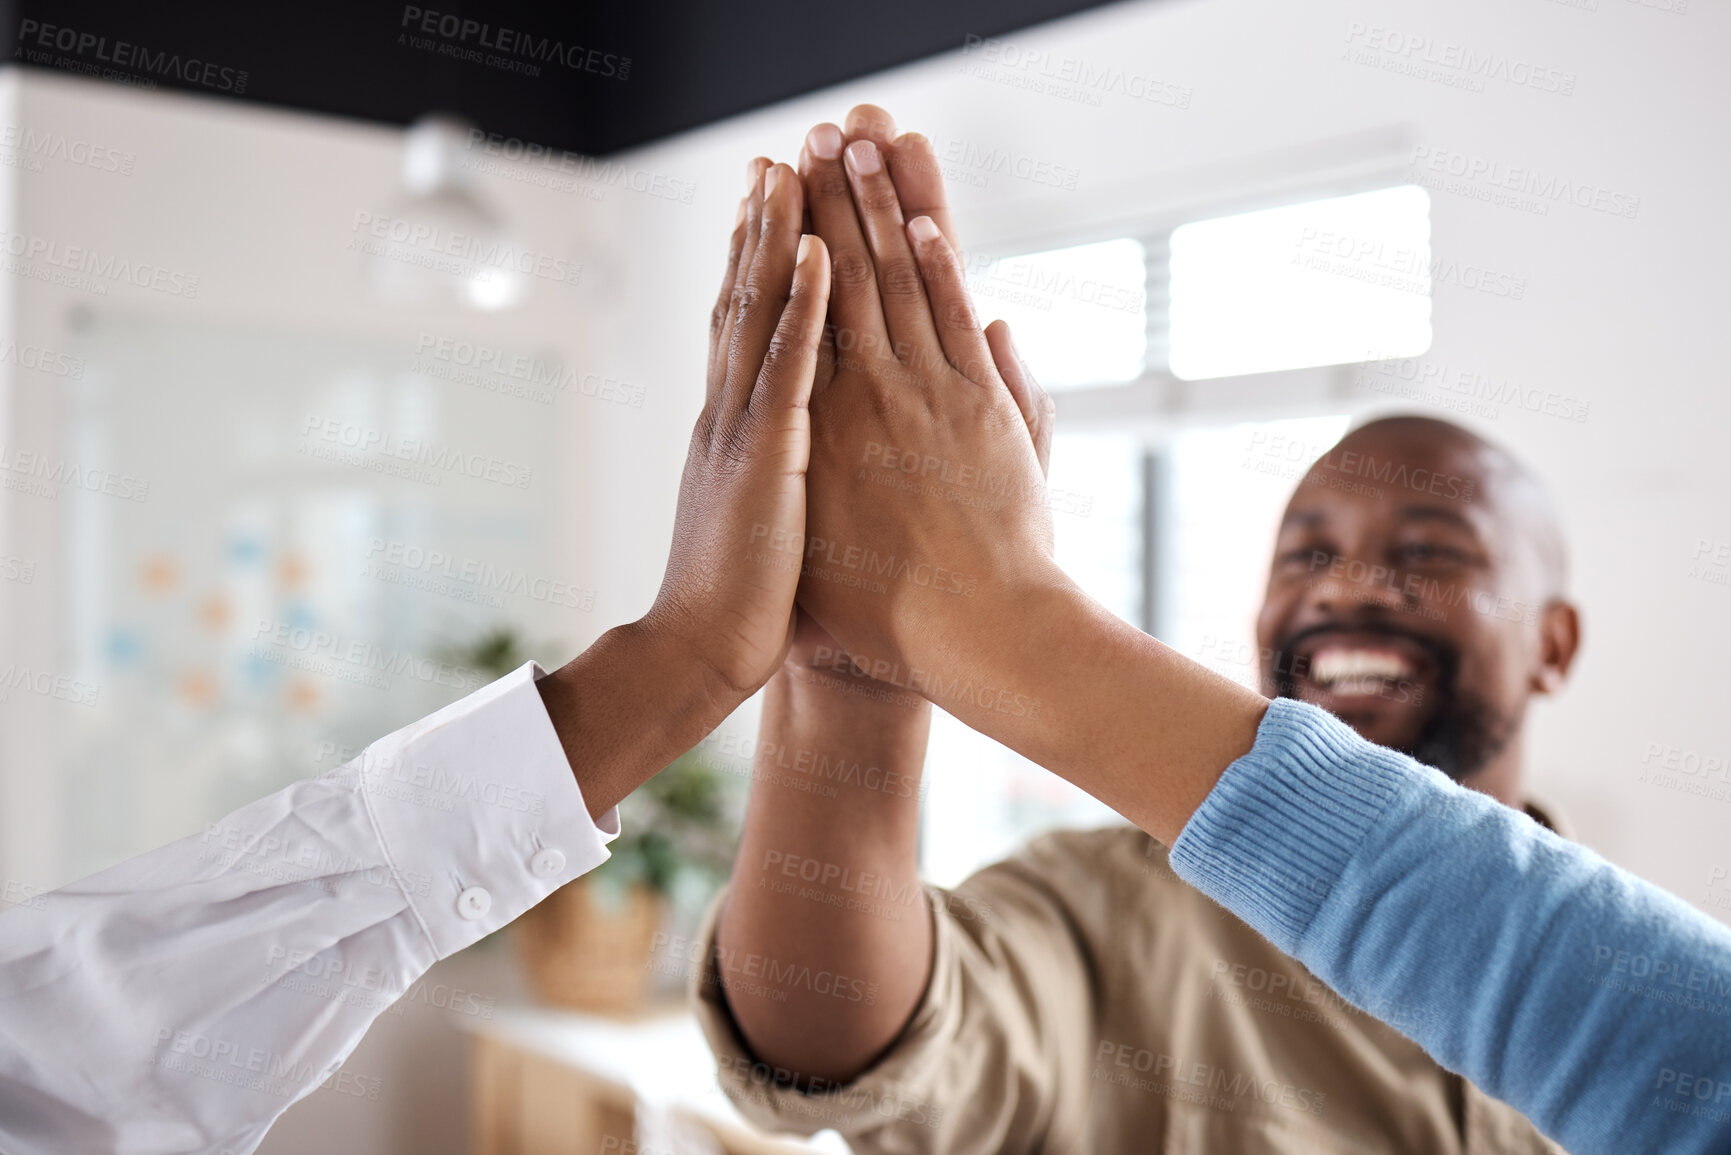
1079,996
1417,594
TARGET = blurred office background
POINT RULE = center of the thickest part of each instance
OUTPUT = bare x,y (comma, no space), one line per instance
222,538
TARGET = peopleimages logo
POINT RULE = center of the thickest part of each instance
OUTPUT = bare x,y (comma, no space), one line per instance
1069,77
364,444
47,684
971,163
136,58
1218,1086
1689,1093
251,1068
102,269
468,571
524,47
1458,65
43,360
1405,268
933,685
545,376
1517,186
1395,474
828,768
52,473
1031,283
313,862
583,170
324,652
863,561
22,894
1470,385
737,965
45,144
462,254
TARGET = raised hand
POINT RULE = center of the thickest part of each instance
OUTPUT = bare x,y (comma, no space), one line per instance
919,187
919,184
721,623
926,486
728,598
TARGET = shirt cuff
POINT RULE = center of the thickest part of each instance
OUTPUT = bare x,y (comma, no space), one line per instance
1275,834
478,811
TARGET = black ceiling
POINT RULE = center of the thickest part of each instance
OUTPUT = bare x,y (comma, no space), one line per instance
591,78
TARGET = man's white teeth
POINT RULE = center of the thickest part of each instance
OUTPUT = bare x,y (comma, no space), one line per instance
1358,686
1358,671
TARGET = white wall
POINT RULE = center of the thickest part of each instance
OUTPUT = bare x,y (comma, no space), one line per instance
260,206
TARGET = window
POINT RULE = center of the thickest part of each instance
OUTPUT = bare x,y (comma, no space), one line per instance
1078,314
1327,282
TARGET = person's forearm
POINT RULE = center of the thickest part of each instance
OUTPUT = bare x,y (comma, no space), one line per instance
1500,948
826,883
1061,680
627,706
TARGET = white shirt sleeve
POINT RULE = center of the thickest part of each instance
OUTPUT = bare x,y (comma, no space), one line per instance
180,1001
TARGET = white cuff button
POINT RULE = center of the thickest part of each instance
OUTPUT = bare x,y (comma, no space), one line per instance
474,903
548,863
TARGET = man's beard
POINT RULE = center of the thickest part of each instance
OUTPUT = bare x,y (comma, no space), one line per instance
1463,735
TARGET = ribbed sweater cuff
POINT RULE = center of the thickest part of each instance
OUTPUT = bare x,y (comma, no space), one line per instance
1274,835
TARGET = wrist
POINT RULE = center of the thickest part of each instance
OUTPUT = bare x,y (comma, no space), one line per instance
830,681
1109,708
989,664
692,693
629,705
837,755
987,624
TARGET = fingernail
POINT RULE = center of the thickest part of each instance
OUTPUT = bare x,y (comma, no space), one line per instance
824,141
804,249
863,156
751,176
771,178
922,229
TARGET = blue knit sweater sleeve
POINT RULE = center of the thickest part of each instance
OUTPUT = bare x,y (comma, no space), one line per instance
1593,1002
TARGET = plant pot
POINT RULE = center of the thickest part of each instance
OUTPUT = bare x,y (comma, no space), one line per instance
584,952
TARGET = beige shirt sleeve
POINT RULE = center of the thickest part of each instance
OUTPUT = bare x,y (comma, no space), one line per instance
996,1057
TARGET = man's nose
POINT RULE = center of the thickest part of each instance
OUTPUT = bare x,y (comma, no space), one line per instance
1352,583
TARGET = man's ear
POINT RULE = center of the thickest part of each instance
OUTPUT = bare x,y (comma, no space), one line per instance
1559,641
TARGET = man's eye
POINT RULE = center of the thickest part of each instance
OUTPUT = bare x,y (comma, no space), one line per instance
1304,557
1419,552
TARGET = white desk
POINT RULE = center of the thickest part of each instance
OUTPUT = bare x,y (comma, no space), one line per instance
551,1082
